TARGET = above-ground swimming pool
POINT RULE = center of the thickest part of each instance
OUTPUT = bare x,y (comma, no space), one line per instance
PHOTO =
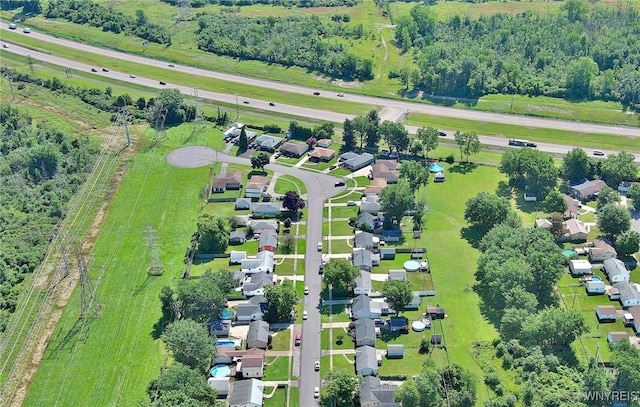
411,265
226,314
220,371
435,167
595,278
570,252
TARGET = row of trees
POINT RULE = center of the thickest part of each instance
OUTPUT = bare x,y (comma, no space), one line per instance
95,15
284,3
41,168
575,54
291,41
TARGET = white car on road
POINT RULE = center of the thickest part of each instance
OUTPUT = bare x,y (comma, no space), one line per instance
304,315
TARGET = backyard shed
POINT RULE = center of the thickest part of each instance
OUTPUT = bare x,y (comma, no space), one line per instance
395,351
435,312
595,287
613,337
579,267
606,313
236,257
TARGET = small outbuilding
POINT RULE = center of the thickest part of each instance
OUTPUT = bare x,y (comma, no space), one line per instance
606,313
579,267
613,337
595,287
395,351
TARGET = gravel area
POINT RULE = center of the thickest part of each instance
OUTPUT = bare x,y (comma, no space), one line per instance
192,157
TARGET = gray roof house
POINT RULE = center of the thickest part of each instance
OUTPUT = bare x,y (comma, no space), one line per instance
259,226
395,351
365,332
265,208
238,236
601,250
294,149
258,335
236,257
362,258
370,207
248,312
363,283
374,393
262,263
364,240
254,283
268,241
367,219
391,235
366,361
240,220
629,295
398,274
584,189
246,393
414,304
242,204
267,142
353,161
616,270
362,307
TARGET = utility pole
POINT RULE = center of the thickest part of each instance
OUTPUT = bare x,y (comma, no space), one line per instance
88,295
9,78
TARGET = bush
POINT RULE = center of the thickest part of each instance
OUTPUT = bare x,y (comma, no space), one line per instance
450,159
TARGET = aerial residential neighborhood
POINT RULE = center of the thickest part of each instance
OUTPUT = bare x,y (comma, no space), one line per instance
333,203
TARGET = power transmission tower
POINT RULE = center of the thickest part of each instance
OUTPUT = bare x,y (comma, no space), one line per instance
31,62
68,73
124,117
160,116
199,121
89,307
184,10
155,266
9,79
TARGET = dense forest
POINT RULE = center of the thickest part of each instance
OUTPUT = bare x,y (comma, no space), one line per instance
95,15
284,3
301,41
575,54
40,170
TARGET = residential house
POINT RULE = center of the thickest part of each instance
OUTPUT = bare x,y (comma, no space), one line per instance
240,220
242,204
262,263
387,170
363,283
255,186
364,259
543,223
616,270
324,142
226,355
573,207
399,324
585,190
354,162
268,241
363,307
606,313
219,327
375,186
595,287
374,393
383,306
387,253
395,351
254,284
613,337
267,142
629,295
238,236
266,208
322,154
365,332
233,130
365,240
415,302
391,235
635,314
258,335
601,250
575,230
368,220
246,393
245,313
232,181
614,294
259,226
220,384
252,366
398,274
236,257
294,149
366,361
579,267
371,207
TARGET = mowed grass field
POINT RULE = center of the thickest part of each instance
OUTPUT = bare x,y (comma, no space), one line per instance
111,360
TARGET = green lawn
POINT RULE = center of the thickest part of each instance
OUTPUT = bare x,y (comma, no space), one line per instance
344,212
286,268
112,360
286,183
346,197
281,340
338,228
339,313
278,399
277,368
340,246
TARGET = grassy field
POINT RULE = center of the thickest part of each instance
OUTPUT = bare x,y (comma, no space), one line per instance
112,360
286,183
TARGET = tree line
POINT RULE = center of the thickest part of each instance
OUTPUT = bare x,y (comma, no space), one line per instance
41,168
95,15
308,42
575,54
283,3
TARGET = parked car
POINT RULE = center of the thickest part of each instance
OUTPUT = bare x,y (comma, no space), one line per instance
26,30
306,291
319,246
351,203
316,366
341,95
94,70
339,183
316,393
333,167
163,83
393,155
105,70
598,153
12,26
442,134
316,93
384,153
271,104
305,315
298,339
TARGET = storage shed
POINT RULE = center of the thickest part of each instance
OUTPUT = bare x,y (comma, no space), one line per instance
579,267
395,351
606,313
595,287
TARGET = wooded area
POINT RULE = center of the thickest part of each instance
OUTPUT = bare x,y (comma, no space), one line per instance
40,170
284,3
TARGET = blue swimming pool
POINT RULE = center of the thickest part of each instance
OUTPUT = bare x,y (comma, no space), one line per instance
226,314
226,343
595,278
220,371
435,167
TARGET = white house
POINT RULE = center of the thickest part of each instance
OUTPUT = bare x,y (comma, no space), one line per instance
366,361
616,270
635,314
595,287
236,257
363,307
255,283
601,250
255,186
606,313
246,393
263,262
252,366
363,283
579,267
629,295
365,332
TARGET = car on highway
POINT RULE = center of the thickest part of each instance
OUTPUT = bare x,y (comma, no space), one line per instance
340,95
298,339
316,392
530,144
598,153
306,291
171,65
271,104
5,46
94,70
304,315
319,246
105,70
26,30
246,102
316,366
131,75
316,93
12,26
163,83
339,184
442,134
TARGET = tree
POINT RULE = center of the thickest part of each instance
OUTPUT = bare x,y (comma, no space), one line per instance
575,164
429,137
179,380
558,228
427,389
626,360
397,199
580,73
468,143
576,10
282,301
213,234
634,194
361,126
553,328
373,129
190,344
287,223
408,394
607,196
395,135
613,220
340,274
628,242
323,130
415,173
340,388
619,167
200,299
419,209
243,142
223,279
554,202
348,134
259,161
398,294
486,210
416,149
172,101
293,202
532,168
